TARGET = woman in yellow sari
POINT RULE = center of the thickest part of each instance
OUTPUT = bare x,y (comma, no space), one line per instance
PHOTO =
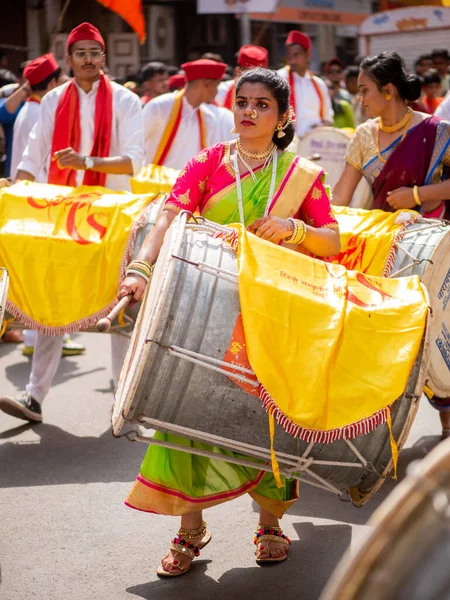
281,198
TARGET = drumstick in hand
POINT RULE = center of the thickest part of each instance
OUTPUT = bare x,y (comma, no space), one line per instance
104,325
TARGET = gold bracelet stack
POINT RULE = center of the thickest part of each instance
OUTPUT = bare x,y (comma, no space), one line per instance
298,237
142,268
192,534
417,199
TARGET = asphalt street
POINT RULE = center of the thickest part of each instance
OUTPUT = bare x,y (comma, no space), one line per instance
65,533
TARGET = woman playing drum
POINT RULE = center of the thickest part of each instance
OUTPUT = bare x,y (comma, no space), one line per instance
403,154
281,198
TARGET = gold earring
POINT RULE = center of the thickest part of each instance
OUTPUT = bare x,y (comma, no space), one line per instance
233,130
280,133
388,96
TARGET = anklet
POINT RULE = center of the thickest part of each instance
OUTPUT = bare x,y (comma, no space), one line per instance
192,534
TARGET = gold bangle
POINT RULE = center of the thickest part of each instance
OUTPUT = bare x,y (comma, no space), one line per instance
416,196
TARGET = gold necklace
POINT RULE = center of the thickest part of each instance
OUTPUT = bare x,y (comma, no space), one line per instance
254,155
398,126
377,137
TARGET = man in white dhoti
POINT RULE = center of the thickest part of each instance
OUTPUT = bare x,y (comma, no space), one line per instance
179,125
310,99
89,131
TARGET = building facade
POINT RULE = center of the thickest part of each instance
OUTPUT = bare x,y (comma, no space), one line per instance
176,32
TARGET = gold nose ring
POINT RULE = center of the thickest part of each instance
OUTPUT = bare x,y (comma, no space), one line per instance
253,114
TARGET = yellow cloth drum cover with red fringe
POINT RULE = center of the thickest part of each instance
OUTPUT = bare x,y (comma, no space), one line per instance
66,250
357,337
154,179
368,238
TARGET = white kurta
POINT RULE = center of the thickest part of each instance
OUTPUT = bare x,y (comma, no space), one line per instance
443,110
218,124
307,110
127,137
222,91
24,123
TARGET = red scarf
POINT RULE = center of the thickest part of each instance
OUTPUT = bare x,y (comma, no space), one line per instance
292,100
229,98
67,132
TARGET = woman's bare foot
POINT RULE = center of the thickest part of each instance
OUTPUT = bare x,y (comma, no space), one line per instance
271,545
274,545
176,562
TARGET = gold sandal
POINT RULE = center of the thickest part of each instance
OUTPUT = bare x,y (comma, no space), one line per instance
269,534
181,545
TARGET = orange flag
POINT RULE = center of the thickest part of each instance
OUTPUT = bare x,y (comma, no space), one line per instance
131,12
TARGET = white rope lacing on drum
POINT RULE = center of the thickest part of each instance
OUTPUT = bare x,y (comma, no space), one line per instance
290,467
415,261
434,223
299,465
203,360
210,269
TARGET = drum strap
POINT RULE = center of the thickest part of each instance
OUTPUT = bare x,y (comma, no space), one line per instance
393,443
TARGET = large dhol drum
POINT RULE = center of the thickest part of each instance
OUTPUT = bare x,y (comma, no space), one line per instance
173,377
4,283
406,555
331,145
125,322
424,251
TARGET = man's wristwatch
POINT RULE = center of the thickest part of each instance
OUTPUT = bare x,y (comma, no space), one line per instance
89,162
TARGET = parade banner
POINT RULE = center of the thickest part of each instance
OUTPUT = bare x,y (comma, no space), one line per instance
131,11
332,349
66,250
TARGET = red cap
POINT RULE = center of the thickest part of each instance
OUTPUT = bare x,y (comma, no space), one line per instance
85,31
297,37
334,61
176,82
40,68
203,69
253,56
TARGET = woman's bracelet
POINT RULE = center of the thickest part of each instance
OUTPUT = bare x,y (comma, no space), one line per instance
142,268
416,196
298,237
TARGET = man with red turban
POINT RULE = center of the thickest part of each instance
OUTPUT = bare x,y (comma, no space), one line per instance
310,99
89,132
179,125
248,57
42,74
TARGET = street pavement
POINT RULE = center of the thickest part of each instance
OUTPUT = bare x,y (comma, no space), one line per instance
65,533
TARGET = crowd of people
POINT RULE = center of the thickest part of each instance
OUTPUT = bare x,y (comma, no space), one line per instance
227,130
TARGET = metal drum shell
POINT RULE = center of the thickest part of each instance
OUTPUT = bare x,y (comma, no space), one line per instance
431,245
405,555
154,211
188,308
